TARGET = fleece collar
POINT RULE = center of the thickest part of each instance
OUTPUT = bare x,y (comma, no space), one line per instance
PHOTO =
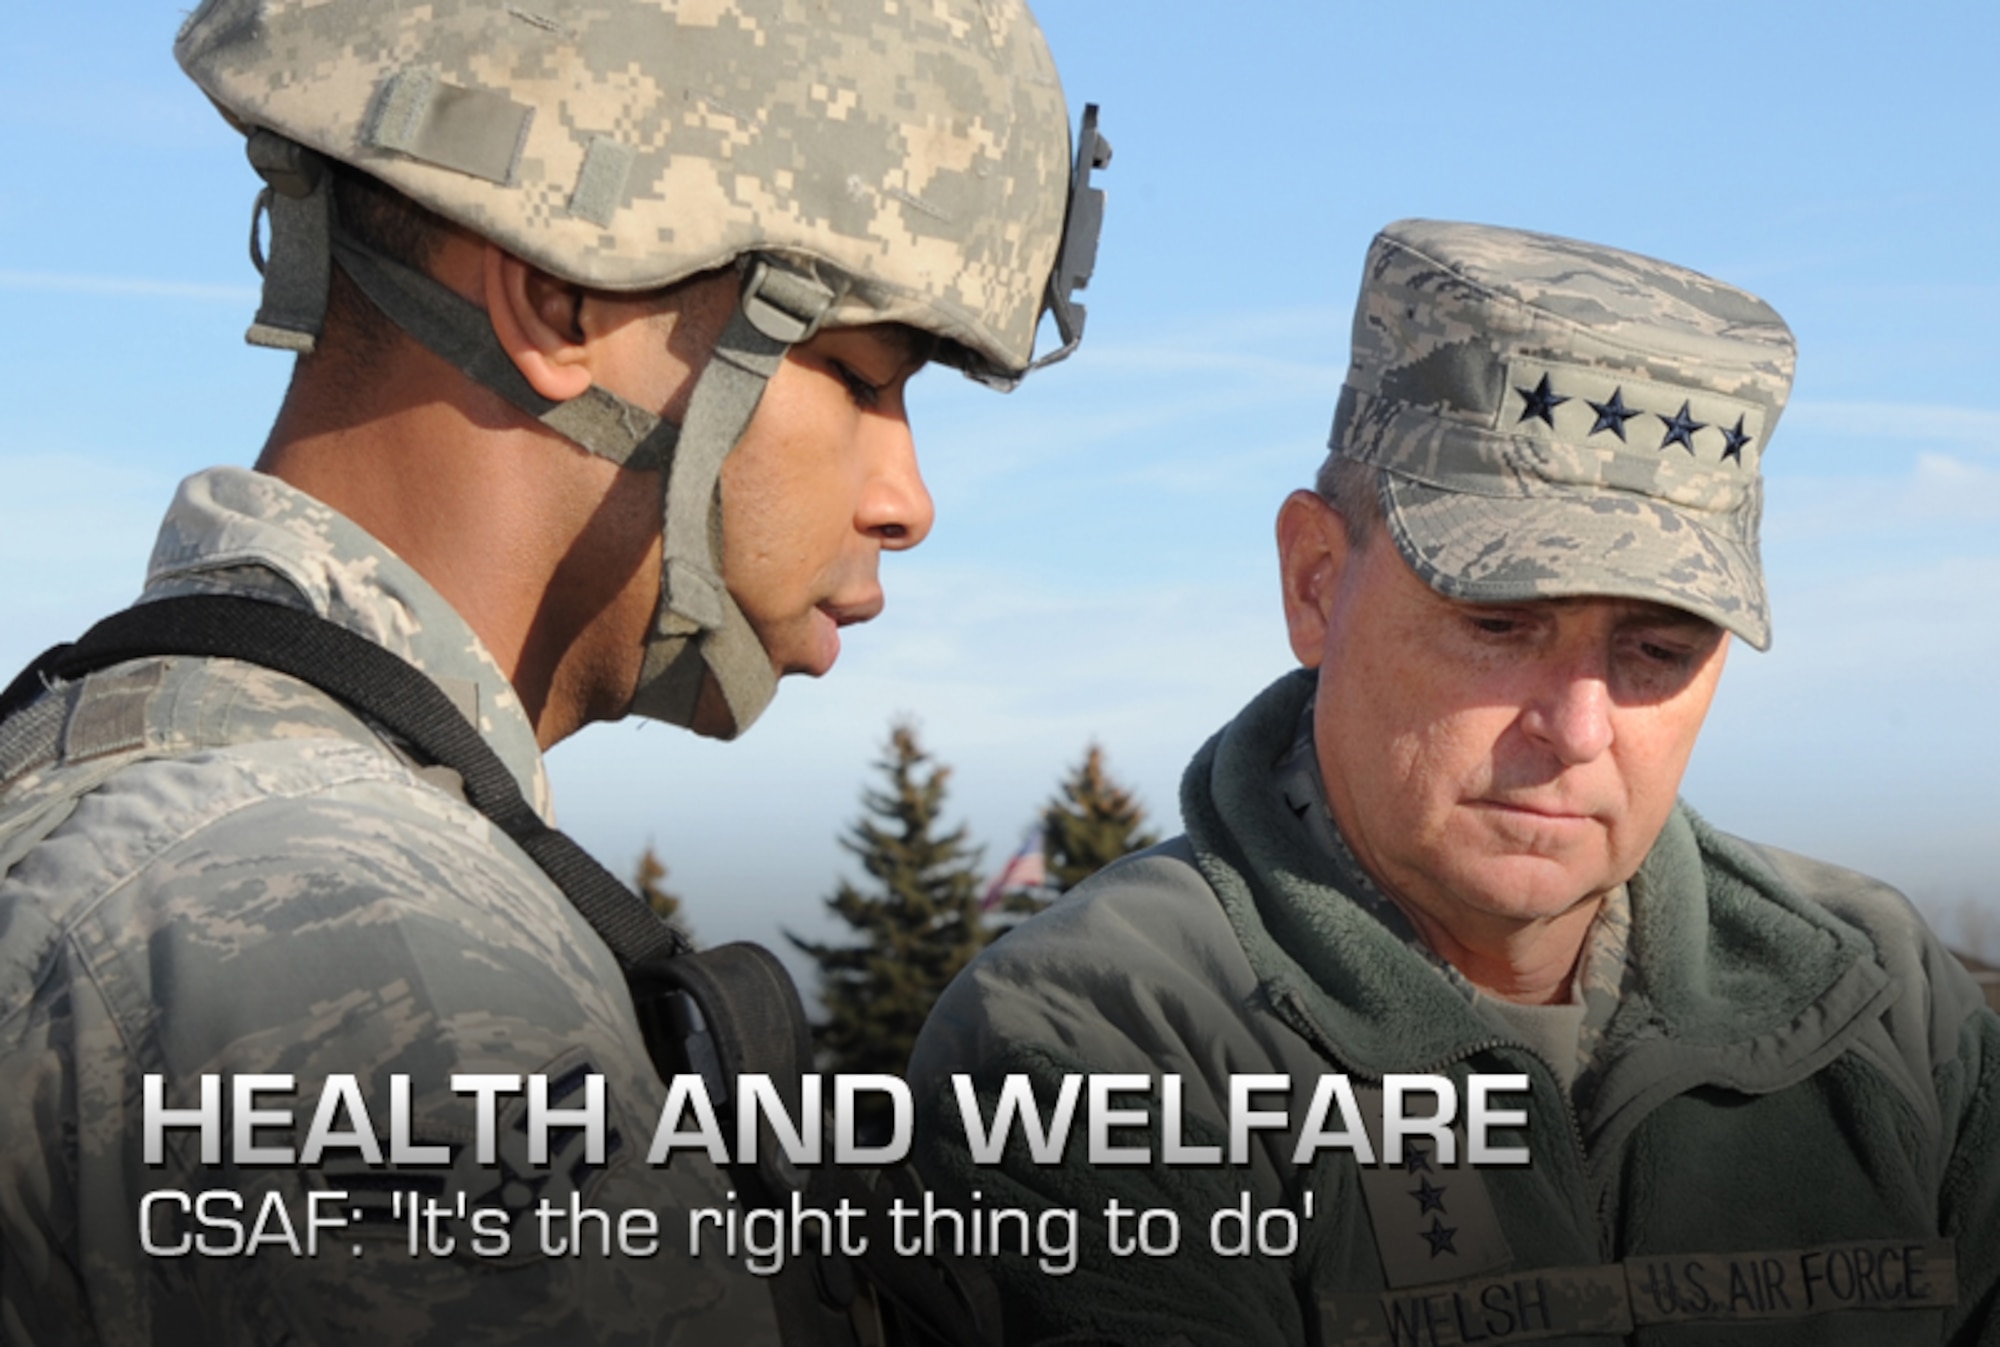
1740,981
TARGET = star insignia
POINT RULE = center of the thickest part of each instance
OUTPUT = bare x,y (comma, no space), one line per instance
1734,441
1542,402
1612,415
1440,1236
1429,1197
1681,429
1416,1158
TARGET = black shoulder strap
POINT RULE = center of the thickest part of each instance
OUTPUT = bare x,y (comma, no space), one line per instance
388,690
751,1018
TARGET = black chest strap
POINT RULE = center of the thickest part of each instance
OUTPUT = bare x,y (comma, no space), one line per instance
389,691
746,1012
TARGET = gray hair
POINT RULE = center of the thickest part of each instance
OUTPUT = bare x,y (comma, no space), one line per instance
1354,491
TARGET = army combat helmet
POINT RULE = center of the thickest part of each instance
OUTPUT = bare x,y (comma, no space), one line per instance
858,161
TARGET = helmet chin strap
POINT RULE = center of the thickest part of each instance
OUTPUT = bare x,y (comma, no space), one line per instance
698,632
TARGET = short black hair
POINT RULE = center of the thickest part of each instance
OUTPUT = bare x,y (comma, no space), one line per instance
377,216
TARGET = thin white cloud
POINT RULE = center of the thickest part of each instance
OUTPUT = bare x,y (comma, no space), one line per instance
158,110
1951,500
1950,489
1161,403
127,287
74,536
1301,375
1898,423
1197,474
1312,329
1906,627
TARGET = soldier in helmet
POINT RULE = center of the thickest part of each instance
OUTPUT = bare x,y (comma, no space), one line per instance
1740,1096
605,317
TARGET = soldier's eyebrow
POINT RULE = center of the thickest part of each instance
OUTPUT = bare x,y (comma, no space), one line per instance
912,346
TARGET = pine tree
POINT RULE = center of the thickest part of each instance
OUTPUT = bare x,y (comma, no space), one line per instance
918,920
1090,823
650,880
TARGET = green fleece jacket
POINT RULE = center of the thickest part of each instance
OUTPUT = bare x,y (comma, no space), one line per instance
1794,1136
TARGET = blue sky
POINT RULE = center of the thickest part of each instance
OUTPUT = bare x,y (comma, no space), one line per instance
1102,566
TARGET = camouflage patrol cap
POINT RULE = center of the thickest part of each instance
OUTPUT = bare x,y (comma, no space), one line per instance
918,149
1554,418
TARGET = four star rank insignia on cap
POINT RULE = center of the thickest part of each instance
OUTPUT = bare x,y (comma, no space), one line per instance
1542,397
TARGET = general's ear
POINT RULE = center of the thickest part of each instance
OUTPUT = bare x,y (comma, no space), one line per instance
535,316
1312,552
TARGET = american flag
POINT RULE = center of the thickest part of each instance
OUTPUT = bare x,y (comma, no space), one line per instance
1025,869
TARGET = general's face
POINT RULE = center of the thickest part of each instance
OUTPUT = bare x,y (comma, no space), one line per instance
1490,764
823,482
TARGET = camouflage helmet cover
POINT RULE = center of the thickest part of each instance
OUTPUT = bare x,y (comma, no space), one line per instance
860,161
918,148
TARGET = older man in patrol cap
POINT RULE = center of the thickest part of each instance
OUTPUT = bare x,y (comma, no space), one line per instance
605,317
1760,1098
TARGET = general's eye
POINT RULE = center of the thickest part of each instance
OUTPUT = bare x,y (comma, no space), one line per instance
1665,655
1495,626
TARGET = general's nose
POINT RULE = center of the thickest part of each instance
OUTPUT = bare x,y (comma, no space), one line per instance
1571,715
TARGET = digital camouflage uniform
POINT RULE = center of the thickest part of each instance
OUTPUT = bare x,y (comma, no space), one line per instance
256,882
209,868
1770,1112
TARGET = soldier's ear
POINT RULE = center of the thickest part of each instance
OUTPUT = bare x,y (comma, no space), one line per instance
1312,552
536,318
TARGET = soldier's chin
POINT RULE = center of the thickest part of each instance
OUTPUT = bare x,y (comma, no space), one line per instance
712,718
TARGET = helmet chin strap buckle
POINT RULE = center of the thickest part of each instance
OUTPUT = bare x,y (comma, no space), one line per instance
694,592
785,303
782,304
299,201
